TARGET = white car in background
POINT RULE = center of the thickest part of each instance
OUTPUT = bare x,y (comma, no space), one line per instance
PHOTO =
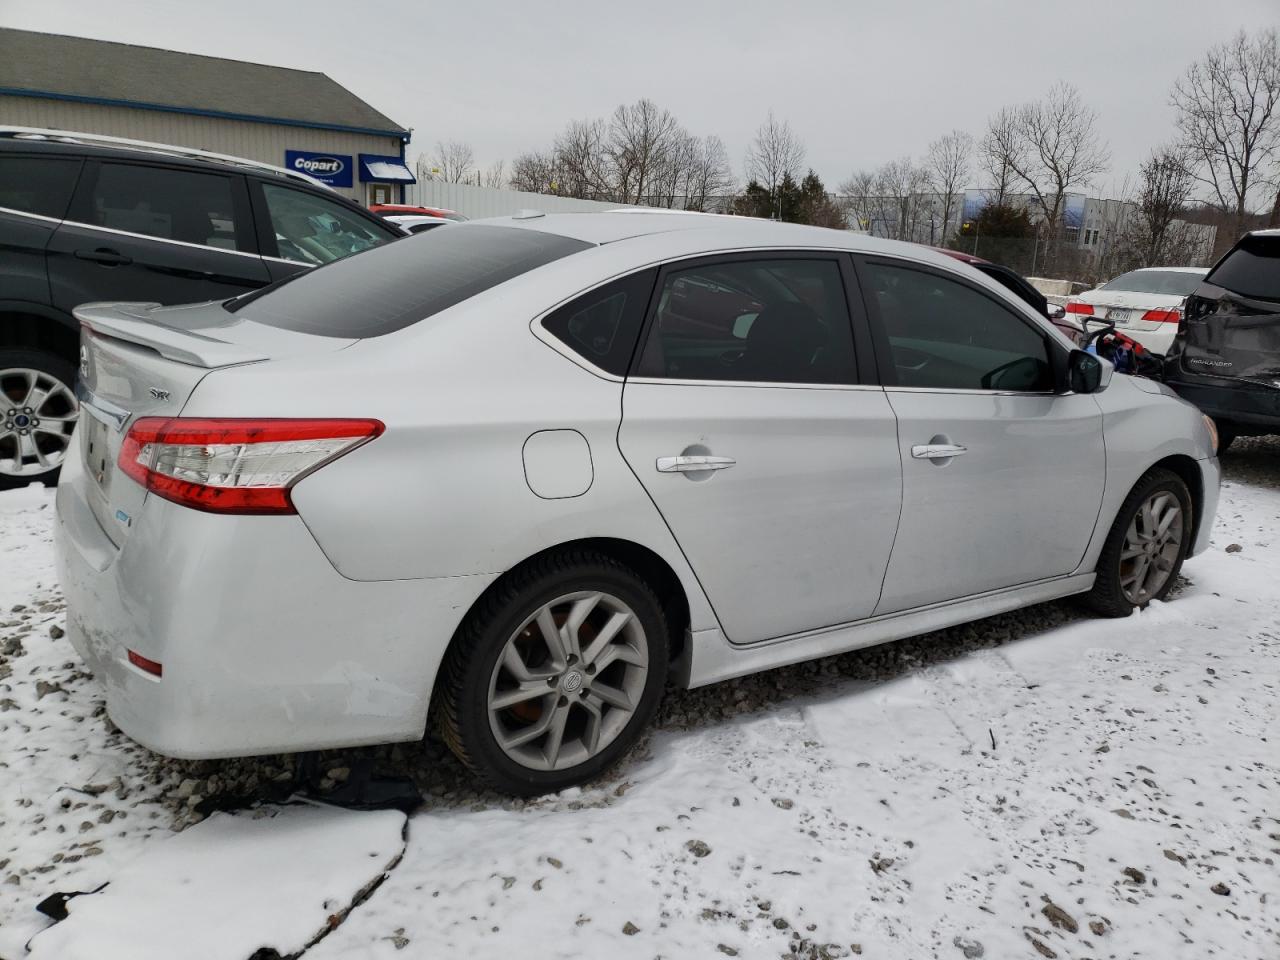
417,223
1145,304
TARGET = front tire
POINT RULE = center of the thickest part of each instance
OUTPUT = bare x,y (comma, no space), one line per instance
38,413
1146,546
554,675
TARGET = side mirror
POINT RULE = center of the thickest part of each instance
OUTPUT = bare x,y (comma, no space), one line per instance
1084,372
1056,311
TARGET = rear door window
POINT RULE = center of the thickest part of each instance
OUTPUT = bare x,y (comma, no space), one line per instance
39,185
312,230
182,205
771,320
401,283
1251,269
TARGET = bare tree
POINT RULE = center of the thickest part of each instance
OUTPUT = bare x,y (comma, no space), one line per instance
889,201
1156,233
775,153
452,162
1059,148
710,176
947,168
1229,114
581,159
495,176
858,195
1001,150
901,185
640,140
425,168
535,173
639,154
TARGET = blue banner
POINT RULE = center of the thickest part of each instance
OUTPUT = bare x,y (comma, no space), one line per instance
331,168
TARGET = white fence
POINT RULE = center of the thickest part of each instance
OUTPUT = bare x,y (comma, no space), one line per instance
476,202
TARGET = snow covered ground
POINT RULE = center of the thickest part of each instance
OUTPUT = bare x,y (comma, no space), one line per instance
1037,785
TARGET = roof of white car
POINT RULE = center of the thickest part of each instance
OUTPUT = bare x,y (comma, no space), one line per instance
610,226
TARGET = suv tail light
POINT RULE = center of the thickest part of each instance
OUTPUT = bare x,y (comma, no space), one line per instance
1171,315
1075,306
235,465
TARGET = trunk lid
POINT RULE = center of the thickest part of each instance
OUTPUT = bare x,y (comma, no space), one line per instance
1126,310
145,360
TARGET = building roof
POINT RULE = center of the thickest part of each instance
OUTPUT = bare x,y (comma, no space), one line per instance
121,74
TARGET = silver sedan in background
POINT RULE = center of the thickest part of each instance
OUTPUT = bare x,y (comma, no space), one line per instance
517,475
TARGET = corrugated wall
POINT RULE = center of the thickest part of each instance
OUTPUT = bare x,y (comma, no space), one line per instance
264,142
476,202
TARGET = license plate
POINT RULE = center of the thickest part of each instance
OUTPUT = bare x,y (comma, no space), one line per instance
1119,316
96,454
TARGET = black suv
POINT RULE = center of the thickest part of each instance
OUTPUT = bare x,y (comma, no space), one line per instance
86,218
1226,356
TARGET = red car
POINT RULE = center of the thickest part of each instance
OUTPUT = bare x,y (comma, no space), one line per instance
400,209
1019,287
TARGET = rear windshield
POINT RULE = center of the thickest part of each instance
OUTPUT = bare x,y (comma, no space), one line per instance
1252,269
1176,283
396,285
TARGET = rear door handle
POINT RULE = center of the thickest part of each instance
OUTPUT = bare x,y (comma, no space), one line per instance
693,464
937,451
104,256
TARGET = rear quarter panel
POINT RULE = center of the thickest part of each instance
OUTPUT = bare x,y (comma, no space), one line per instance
443,492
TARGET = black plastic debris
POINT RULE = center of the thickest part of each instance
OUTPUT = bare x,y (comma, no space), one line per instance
364,789
54,906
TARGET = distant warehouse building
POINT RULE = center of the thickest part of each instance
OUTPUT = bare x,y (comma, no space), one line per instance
293,118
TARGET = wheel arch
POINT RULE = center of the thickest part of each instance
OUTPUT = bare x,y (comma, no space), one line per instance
1186,469
643,561
41,327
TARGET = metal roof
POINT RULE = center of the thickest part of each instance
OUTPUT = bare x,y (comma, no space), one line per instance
99,71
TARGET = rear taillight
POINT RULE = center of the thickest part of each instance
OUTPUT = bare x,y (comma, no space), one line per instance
1172,315
235,466
1075,306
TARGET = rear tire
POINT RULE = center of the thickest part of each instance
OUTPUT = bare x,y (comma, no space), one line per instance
532,705
38,413
1145,547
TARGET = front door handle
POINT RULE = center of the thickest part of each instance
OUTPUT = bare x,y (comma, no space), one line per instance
693,464
104,256
937,451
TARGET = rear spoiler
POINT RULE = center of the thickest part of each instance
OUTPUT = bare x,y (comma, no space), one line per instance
135,323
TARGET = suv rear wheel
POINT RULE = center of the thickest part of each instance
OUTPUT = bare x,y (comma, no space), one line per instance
38,413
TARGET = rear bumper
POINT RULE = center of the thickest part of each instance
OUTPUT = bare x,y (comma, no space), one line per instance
1250,404
265,647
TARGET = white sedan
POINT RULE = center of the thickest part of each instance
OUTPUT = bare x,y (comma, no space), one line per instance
1146,304
520,474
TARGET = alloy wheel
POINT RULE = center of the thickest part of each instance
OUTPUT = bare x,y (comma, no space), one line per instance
1151,547
568,681
38,413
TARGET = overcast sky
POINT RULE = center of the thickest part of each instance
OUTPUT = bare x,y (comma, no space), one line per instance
860,82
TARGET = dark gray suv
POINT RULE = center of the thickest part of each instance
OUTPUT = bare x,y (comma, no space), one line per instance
86,218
